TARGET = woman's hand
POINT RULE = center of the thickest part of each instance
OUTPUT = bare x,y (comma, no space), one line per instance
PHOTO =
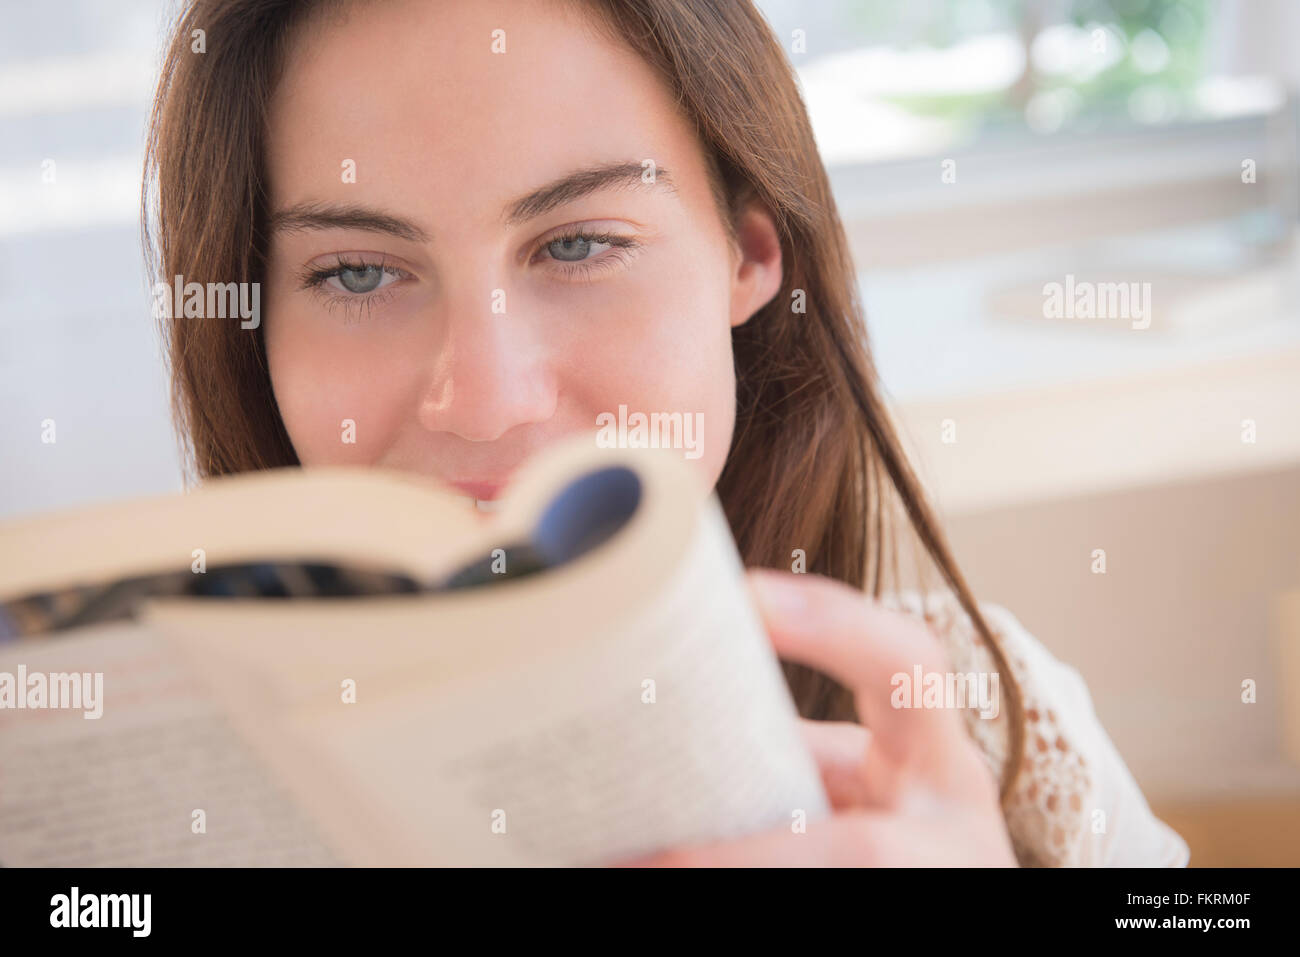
912,790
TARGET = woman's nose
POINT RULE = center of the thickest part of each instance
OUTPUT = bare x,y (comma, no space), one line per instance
492,373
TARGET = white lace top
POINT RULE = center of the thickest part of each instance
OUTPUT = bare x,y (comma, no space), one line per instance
1075,802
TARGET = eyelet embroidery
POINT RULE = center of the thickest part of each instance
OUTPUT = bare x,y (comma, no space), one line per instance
1045,816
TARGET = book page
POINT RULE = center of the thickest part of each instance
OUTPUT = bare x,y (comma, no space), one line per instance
370,518
714,754
122,789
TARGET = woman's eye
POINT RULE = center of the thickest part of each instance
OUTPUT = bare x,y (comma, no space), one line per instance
583,256
361,279
353,285
574,249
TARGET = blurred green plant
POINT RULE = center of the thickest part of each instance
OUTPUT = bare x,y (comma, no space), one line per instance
1161,54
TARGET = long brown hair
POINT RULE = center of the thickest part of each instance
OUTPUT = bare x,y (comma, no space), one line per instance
815,462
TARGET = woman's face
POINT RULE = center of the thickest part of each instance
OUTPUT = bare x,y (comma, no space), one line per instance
471,255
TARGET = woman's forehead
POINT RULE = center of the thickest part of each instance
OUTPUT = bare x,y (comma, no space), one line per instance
491,98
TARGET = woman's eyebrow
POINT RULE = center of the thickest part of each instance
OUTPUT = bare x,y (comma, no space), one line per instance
579,183
329,216
566,189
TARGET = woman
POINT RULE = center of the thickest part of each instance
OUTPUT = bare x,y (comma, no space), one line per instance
480,226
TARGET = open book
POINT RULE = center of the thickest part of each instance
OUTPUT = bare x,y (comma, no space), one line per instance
352,666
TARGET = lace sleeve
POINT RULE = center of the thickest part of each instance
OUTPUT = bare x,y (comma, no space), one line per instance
1075,802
